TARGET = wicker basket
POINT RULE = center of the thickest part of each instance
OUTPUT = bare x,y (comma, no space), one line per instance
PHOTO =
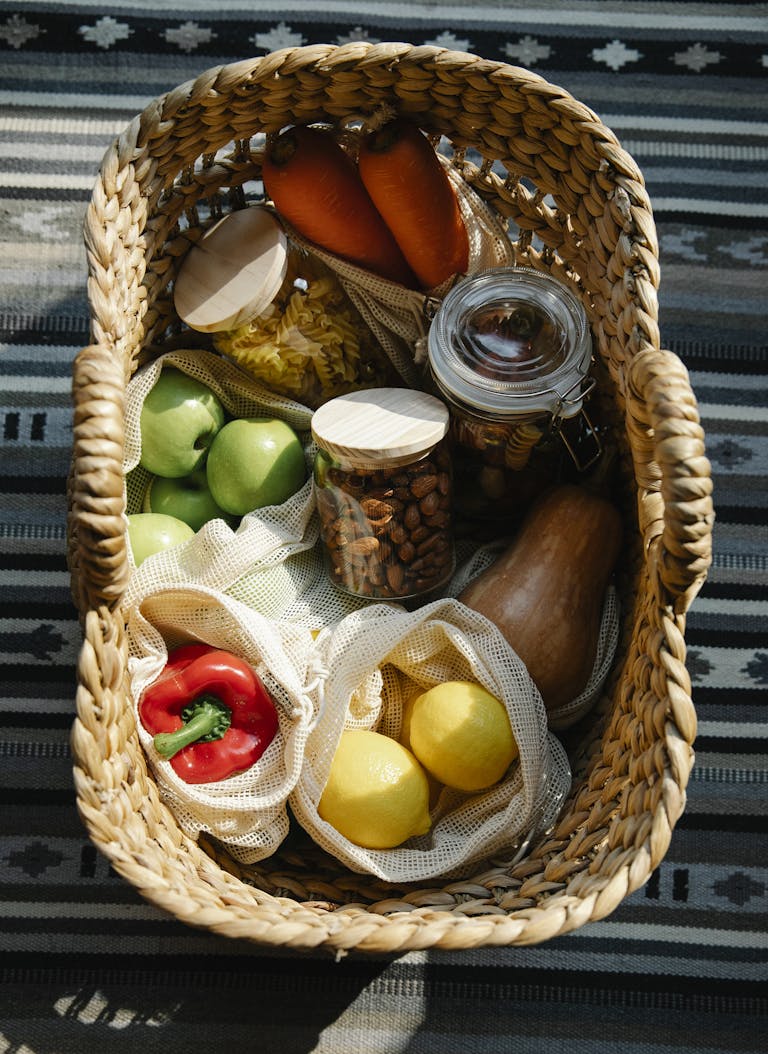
579,210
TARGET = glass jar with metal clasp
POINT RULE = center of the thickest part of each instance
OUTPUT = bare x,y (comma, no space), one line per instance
509,350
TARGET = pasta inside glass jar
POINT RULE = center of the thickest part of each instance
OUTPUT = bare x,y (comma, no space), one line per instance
278,311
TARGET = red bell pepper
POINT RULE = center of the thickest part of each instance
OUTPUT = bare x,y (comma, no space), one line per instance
209,712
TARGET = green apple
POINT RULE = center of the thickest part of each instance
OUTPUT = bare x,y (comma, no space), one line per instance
150,532
179,420
188,498
254,462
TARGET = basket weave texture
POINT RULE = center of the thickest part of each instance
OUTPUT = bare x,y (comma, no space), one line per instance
578,208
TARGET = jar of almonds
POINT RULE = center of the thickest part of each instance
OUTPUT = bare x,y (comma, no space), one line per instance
383,486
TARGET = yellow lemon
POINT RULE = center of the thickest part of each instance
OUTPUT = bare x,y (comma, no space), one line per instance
435,787
405,731
461,734
377,793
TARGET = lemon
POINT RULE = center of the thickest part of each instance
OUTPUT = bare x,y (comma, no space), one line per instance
435,786
461,734
377,793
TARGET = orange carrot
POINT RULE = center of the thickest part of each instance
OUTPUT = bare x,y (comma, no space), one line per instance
411,190
316,187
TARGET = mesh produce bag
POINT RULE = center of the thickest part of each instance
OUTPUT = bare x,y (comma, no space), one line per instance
374,660
218,555
272,562
399,317
246,812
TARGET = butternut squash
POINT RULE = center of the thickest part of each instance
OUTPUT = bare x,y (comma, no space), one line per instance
546,591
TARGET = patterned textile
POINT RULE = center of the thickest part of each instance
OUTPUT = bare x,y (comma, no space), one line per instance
87,965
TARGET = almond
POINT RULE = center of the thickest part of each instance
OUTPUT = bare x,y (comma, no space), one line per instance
364,546
423,485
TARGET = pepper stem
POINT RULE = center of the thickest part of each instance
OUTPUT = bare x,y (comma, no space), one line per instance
204,719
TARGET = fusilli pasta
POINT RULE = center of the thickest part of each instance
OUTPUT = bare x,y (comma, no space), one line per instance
310,344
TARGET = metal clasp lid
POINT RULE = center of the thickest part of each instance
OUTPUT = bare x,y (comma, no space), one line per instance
587,435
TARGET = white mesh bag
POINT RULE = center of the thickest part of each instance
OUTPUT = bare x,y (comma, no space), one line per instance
219,556
245,812
399,317
374,659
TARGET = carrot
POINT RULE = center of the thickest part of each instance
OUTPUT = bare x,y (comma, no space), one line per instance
411,190
316,187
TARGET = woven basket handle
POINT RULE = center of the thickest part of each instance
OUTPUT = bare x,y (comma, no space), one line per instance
676,515
97,550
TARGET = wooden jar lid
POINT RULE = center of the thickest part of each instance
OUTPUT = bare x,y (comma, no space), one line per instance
233,272
380,426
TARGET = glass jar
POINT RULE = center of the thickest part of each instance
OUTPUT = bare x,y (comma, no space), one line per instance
510,350
383,485
277,311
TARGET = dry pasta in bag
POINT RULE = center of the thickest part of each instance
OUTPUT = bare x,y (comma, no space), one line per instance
375,661
246,811
221,552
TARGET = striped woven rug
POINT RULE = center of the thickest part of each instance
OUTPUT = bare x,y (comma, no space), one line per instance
682,965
